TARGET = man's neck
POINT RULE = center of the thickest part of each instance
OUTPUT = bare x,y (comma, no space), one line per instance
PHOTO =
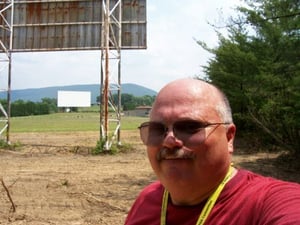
190,198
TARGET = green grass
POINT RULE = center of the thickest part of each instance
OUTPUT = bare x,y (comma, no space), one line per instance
68,122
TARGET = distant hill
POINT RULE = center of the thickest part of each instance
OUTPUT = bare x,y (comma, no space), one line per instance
37,94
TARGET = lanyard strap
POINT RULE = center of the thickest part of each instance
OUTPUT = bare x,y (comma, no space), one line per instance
208,206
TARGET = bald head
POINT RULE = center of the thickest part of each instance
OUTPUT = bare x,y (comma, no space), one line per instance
194,92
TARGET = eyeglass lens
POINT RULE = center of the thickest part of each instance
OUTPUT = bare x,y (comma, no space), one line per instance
153,133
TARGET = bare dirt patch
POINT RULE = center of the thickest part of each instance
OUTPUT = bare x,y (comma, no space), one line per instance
53,179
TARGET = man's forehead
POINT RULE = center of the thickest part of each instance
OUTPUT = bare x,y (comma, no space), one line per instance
193,97
186,88
193,110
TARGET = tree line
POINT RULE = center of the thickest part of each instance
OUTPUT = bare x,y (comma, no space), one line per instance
129,101
257,64
29,108
49,105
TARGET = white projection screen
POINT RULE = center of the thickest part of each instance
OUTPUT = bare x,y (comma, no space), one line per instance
73,99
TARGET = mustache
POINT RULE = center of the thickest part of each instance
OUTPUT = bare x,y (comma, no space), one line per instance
175,153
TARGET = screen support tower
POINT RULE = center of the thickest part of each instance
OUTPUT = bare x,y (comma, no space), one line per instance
5,66
110,110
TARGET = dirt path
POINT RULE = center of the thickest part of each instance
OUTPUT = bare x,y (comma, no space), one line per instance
53,179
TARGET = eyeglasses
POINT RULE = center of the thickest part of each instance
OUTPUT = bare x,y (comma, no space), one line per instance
153,133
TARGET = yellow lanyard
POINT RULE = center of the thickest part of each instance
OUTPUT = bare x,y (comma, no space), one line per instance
208,206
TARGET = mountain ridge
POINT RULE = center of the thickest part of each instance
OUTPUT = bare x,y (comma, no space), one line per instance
37,94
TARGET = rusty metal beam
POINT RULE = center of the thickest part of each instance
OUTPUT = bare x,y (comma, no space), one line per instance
110,71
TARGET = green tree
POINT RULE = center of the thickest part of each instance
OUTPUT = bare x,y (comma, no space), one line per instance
258,67
27,108
51,103
130,102
145,100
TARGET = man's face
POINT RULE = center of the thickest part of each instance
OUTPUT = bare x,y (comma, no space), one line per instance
189,159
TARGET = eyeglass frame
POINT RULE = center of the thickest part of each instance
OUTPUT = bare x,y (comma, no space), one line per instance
166,129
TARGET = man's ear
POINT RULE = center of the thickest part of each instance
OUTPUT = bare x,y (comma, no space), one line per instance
231,129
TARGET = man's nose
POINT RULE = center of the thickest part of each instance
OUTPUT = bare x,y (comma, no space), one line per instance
171,140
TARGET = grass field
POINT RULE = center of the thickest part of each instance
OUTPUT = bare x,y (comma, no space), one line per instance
69,122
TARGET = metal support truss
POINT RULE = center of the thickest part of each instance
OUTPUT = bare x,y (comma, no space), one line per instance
5,63
110,113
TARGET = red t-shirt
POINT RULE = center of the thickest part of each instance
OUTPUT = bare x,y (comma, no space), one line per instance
247,199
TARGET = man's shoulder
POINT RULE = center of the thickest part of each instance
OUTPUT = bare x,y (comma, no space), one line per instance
262,187
277,200
258,179
258,199
153,189
151,195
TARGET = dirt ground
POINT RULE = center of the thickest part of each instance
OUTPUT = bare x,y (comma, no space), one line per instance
53,179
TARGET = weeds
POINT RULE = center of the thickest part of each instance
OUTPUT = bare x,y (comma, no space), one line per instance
9,146
114,148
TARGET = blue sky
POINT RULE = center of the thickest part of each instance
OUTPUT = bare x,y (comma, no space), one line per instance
172,51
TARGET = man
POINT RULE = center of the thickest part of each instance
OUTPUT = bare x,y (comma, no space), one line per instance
189,143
